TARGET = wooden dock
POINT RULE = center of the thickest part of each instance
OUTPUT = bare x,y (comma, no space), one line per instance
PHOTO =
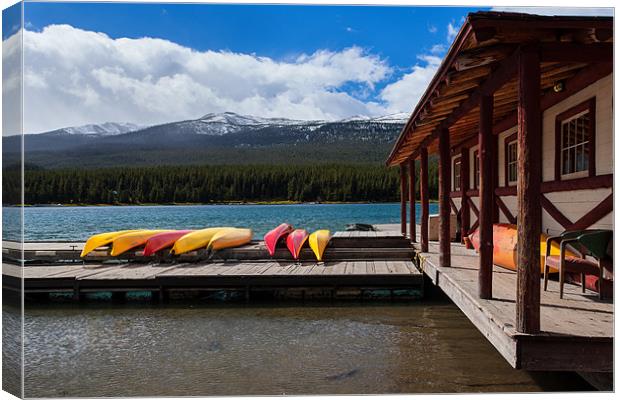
576,332
362,260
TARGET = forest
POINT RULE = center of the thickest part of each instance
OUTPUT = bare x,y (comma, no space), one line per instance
209,184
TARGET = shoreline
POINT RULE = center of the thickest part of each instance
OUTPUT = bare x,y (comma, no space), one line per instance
225,203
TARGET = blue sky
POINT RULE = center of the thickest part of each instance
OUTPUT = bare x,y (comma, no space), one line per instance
156,63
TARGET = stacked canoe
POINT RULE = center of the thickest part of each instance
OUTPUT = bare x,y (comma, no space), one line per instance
295,239
156,241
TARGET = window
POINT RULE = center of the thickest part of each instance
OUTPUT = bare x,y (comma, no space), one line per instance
575,141
510,154
456,174
476,170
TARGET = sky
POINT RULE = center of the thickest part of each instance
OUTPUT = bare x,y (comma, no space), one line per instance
156,63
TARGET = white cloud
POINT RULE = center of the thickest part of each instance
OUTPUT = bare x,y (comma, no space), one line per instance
404,94
11,84
438,49
452,32
576,11
75,77
432,28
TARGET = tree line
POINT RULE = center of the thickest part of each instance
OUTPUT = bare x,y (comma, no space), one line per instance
210,183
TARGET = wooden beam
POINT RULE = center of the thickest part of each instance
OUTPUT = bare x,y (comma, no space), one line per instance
502,206
473,207
554,212
412,219
464,189
444,197
403,199
593,216
596,182
529,173
424,199
485,219
577,52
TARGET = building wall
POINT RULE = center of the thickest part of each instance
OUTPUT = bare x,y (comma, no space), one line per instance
573,204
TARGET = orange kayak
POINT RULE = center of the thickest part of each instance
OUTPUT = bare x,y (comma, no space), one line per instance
505,247
162,240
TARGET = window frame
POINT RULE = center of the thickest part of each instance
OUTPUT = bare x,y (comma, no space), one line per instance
588,106
456,185
507,142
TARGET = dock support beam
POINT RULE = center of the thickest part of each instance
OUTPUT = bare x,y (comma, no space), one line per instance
424,199
529,173
464,188
444,197
412,233
403,199
486,154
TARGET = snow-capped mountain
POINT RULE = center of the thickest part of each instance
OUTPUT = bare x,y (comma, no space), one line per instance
104,129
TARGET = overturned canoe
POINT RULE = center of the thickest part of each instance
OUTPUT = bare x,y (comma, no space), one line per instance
505,246
195,240
131,240
274,236
163,240
102,239
295,241
230,238
318,242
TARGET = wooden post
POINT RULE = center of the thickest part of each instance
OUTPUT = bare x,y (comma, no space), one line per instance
486,151
444,197
464,189
424,199
412,221
529,174
403,199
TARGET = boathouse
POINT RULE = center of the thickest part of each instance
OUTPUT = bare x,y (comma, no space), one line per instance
520,116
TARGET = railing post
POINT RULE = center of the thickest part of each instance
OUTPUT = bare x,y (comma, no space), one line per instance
403,199
424,199
529,173
444,197
464,189
486,152
412,222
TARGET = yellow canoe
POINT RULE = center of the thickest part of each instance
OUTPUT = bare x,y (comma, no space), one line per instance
230,238
195,240
318,242
102,239
131,240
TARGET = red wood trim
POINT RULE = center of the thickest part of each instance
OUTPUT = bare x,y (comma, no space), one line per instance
581,80
554,212
487,149
593,216
473,207
502,206
464,188
467,144
472,193
412,219
424,199
589,105
444,198
506,191
507,141
576,52
474,226
595,182
453,206
455,194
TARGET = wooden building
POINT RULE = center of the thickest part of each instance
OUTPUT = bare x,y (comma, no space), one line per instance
520,113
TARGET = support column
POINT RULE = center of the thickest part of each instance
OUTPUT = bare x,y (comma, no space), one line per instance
486,156
403,199
424,199
444,198
529,173
412,226
464,189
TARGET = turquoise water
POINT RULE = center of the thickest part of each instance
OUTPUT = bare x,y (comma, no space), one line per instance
78,223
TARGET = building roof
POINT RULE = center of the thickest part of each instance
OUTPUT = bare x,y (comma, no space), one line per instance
482,60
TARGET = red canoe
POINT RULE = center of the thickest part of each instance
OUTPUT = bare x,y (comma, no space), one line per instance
162,240
275,235
295,240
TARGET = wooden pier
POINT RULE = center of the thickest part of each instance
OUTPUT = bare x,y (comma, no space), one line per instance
360,260
576,331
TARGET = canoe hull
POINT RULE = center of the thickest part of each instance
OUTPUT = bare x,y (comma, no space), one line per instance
295,241
273,237
162,241
102,239
230,238
195,240
505,247
132,240
318,242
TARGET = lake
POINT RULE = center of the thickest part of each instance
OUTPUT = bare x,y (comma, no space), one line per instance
78,223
